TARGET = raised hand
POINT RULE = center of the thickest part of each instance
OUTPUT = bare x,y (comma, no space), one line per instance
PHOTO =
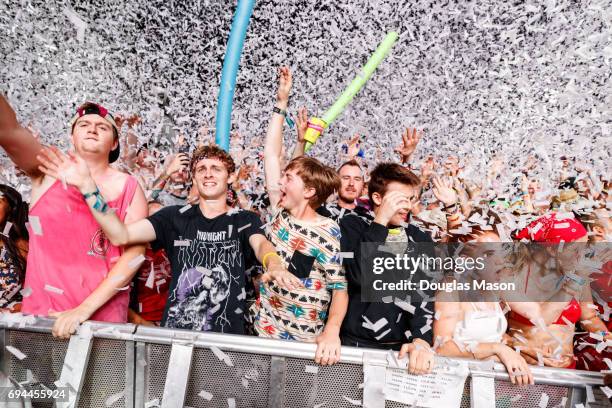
428,167
176,163
444,191
391,203
410,140
302,124
284,84
352,146
70,169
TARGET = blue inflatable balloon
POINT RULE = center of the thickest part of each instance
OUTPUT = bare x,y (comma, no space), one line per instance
230,71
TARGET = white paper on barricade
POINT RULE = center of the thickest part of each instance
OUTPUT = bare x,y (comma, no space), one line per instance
442,388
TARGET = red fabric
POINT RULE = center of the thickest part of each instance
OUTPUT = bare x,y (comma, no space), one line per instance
588,358
151,302
550,229
571,312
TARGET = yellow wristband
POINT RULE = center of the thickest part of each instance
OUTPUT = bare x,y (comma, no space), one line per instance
266,255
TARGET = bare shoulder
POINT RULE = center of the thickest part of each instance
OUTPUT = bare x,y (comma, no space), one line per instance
40,185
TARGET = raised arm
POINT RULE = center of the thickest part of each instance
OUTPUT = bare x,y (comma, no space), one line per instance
18,142
274,138
74,171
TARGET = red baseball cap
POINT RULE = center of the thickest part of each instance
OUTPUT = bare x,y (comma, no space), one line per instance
551,229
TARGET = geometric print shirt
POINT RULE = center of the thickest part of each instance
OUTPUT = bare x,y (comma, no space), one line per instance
311,251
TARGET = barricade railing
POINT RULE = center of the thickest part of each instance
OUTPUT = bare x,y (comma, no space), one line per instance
124,365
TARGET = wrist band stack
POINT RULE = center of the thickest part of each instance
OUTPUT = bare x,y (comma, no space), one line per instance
100,205
283,112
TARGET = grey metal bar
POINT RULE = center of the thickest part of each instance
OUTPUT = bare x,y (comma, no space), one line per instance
130,373
278,366
139,378
374,372
4,358
282,348
75,367
179,368
482,391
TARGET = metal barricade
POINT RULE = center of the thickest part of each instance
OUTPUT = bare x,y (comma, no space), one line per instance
133,366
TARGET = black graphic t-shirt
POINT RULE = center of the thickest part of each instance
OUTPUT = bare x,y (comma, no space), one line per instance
209,258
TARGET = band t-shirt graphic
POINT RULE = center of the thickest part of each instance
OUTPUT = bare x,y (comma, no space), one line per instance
209,258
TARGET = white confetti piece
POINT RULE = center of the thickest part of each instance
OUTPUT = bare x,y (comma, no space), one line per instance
7,228
152,403
53,289
351,401
185,208
25,292
113,399
231,403
136,262
222,356
543,403
311,369
205,395
402,304
243,228
181,243
16,352
35,225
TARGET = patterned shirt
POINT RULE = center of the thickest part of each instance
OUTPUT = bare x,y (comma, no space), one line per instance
309,250
9,280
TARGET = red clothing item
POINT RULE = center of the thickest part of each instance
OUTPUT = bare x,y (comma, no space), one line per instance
151,292
571,312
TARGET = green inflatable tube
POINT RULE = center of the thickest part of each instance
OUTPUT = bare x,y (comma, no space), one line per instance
359,81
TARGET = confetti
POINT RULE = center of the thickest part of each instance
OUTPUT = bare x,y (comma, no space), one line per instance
351,401
543,403
53,289
7,228
205,395
311,369
16,352
136,262
222,356
113,399
152,403
34,223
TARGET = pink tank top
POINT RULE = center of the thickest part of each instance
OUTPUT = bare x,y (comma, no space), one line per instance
72,256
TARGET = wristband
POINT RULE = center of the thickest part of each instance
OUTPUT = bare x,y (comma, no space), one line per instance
100,205
280,111
265,257
452,207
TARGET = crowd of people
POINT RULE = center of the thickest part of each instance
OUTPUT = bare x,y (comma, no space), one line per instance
200,240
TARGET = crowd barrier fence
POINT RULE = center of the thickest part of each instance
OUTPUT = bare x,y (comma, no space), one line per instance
124,365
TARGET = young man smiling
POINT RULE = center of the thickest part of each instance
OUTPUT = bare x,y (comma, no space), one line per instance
73,272
309,305
208,245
